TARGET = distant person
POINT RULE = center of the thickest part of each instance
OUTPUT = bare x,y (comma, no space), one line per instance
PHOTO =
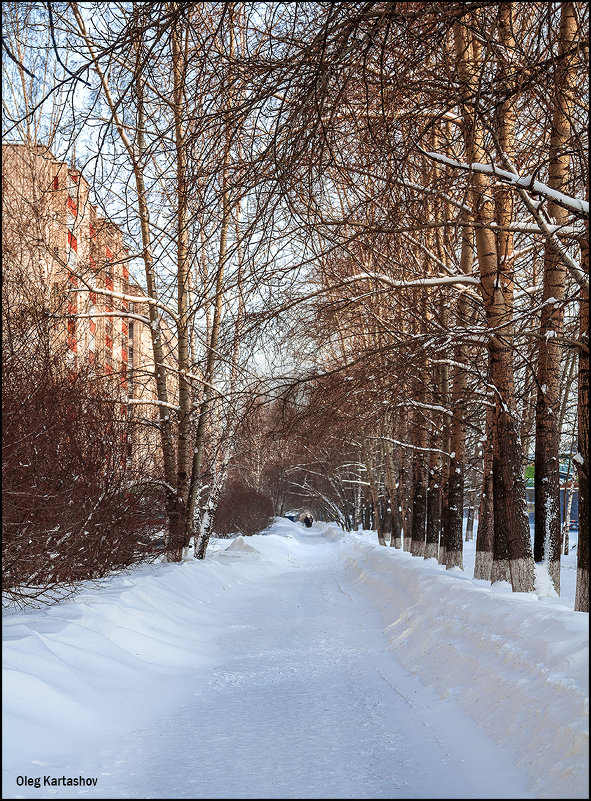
308,521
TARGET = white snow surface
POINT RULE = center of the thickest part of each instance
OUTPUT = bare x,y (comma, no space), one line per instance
298,663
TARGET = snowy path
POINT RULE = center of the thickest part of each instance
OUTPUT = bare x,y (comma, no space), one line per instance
300,697
300,707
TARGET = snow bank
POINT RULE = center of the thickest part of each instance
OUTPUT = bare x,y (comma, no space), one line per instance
82,674
517,664
95,666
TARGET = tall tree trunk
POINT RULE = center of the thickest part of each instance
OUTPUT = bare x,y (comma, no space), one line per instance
510,481
212,358
455,493
183,274
433,499
445,466
582,457
357,515
137,155
470,516
547,539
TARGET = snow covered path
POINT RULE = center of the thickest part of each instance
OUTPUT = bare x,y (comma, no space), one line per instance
294,690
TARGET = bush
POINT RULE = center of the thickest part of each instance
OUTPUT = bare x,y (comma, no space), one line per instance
242,509
67,511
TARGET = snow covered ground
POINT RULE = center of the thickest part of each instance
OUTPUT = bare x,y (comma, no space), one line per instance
300,663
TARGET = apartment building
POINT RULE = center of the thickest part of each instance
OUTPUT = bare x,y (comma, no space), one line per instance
58,247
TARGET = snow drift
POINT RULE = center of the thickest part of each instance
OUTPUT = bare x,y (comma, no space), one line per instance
82,676
516,663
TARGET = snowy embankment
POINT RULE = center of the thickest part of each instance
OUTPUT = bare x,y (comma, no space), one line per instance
297,663
516,663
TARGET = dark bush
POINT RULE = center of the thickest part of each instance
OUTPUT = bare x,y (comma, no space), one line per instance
242,509
70,507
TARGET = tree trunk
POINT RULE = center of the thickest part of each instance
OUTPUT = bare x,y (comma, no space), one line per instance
208,517
433,500
547,538
405,482
419,504
470,519
373,478
485,534
212,358
392,460
446,447
434,479
455,493
500,565
185,393
582,457
510,481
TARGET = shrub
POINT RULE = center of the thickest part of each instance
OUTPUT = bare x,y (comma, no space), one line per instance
67,513
242,509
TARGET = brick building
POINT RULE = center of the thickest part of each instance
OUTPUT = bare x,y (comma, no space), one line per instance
57,247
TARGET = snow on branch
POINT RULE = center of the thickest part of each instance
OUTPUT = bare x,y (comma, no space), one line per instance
439,280
110,314
574,205
152,402
121,295
431,406
412,447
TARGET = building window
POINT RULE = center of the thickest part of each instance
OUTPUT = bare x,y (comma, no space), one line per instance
72,341
109,334
56,297
130,351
